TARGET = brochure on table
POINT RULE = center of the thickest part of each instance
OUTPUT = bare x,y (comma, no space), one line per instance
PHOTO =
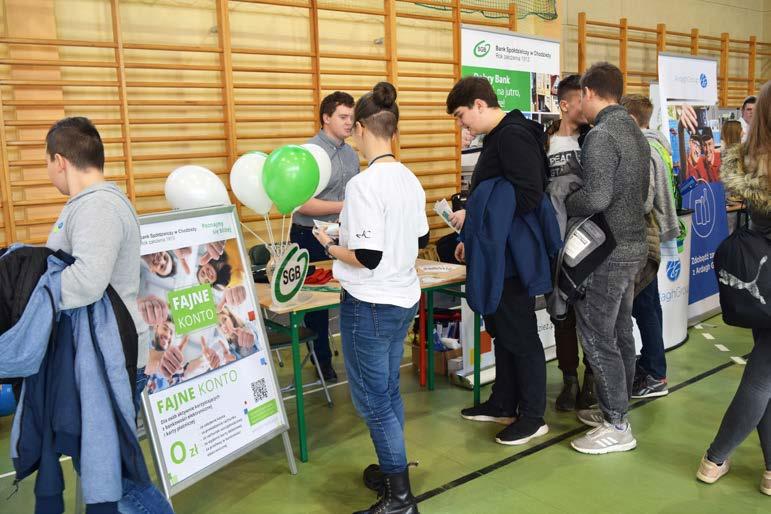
212,393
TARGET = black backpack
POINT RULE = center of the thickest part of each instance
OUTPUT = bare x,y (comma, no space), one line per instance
744,279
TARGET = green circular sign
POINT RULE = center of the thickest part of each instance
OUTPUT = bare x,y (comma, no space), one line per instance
290,274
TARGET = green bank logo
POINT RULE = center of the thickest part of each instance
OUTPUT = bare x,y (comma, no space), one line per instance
482,48
192,308
290,274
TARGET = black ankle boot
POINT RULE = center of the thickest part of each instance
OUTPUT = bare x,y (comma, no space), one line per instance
395,497
566,401
373,478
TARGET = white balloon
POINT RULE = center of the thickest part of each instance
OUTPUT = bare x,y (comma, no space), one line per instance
246,182
325,165
191,187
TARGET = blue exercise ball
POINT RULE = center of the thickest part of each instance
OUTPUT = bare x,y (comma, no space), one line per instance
7,400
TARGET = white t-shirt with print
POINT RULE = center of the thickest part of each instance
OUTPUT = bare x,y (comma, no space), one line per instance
564,154
384,210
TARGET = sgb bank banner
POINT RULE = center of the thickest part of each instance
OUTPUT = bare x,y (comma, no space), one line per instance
524,71
211,387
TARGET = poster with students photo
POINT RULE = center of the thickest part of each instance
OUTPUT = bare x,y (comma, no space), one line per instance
193,299
212,391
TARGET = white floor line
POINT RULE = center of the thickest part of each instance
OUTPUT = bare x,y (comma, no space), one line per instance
13,473
707,335
333,385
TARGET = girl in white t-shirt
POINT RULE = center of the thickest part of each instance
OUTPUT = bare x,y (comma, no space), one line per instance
382,226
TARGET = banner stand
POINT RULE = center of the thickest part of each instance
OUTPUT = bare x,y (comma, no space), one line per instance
693,81
524,71
200,421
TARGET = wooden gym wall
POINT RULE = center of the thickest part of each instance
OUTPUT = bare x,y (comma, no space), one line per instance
173,82
743,63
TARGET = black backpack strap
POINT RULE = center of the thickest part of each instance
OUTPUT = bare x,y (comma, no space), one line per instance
127,331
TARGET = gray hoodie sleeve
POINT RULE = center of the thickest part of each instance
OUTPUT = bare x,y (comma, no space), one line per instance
95,231
663,202
599,162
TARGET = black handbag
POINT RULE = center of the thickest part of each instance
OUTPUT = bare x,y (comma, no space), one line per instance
744,279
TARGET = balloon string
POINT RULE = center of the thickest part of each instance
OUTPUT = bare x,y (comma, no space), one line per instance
269,226
252,232
283,222
289,230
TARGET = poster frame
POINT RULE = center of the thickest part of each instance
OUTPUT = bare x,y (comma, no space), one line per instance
281,430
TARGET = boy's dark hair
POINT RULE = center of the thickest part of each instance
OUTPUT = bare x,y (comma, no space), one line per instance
605,79
705,133
749,100
640,107
568,85
468,89
377,110
330,102
77,140
224,273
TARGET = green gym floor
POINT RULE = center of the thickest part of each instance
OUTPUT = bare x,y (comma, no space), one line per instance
462,469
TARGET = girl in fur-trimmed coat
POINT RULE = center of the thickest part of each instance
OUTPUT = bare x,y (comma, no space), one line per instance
745,172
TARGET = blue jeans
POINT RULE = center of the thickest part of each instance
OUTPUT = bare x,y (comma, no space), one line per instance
317,321
373,345
647,311
143,499
604,319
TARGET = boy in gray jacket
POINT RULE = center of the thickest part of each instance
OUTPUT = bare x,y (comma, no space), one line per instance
651,371
615,161
97,226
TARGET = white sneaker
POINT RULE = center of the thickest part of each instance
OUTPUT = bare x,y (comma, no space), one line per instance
605,439
591,417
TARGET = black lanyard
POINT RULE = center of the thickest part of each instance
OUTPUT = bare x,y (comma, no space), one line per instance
380,157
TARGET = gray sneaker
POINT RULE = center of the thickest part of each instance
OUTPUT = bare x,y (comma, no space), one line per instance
605,439
591,417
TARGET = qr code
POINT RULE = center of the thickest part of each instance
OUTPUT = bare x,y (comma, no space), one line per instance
260,390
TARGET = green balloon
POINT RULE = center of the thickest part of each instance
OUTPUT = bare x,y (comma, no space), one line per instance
290,176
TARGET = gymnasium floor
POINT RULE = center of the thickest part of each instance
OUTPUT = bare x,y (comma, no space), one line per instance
462,470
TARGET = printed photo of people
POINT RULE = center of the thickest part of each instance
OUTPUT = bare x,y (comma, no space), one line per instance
699,151
173,357
544,93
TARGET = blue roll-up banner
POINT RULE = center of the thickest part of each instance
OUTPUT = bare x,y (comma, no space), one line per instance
709,229
686,80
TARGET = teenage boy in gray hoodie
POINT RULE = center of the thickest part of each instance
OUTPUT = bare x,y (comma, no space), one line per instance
615,160
97,226
651,372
